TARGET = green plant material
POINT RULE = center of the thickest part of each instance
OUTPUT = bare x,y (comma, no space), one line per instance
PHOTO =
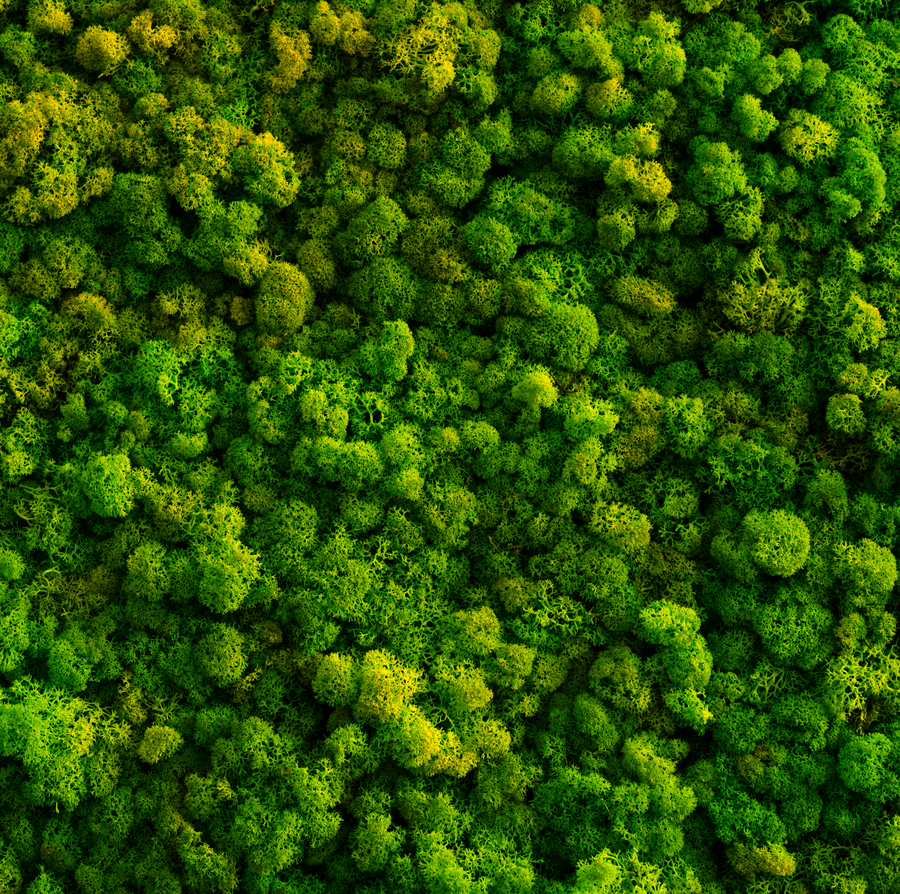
449,447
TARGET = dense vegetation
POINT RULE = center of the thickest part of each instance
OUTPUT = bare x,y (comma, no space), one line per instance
449,447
